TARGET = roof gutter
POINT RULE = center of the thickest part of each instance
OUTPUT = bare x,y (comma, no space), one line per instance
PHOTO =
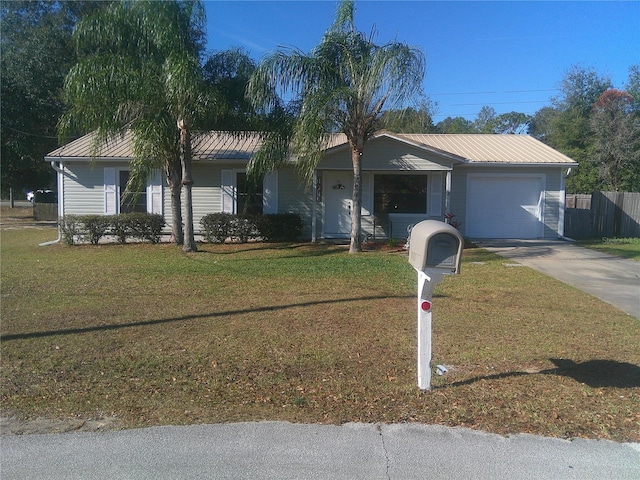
60,172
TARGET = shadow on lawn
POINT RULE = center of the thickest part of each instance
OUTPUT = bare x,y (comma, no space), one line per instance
594,373
305,249
273,308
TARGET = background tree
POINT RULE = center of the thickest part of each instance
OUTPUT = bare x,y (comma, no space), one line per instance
455,125
410,119
35,53
343,85
485,120
139,69
228,73
511,123
616,143
633,88
566,125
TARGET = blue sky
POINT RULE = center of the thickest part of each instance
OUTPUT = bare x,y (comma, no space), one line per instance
508,55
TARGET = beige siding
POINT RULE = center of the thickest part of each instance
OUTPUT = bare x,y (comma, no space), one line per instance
205,191
295,197
84,188
385,154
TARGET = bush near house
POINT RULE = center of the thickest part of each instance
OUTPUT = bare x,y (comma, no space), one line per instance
92,228
280,227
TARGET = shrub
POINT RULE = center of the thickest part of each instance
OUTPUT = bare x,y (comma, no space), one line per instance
121,227
217,227
280,227
70,228
94,227
145,226
245,227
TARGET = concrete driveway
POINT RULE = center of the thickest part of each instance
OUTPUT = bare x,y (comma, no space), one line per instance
612,279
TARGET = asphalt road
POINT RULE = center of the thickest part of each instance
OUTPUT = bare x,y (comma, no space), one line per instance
278,450
16,203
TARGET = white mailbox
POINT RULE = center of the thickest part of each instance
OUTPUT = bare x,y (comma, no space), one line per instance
435,250
435,245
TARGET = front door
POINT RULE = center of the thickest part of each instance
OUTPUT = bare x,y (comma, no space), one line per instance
337,194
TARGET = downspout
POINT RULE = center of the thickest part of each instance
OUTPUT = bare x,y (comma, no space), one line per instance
60,178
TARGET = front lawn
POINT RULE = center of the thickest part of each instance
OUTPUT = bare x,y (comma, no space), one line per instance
621,247
305,333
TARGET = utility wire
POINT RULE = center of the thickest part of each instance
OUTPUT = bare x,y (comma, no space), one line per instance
33,134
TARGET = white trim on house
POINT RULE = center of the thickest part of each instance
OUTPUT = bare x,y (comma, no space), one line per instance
228,189
111,193
155,193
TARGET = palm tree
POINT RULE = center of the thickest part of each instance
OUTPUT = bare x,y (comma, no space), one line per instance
342,86
139,69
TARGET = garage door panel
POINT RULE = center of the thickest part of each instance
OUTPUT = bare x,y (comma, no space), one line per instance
504,207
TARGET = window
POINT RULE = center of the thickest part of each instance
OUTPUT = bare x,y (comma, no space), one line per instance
400,194
249,195
133,202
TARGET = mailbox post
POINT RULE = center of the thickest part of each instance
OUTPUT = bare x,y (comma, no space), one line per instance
435,250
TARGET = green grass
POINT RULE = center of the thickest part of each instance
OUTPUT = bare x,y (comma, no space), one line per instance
621,247
305,333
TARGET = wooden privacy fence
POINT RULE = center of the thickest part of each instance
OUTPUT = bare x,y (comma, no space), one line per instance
602,214
45,212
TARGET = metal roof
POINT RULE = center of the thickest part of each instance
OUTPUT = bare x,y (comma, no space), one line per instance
119,146
204,146
492,148
469,148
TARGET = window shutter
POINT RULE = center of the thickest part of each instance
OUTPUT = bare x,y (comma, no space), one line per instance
365,178
154,193
435,197
270,193
227,188
110,191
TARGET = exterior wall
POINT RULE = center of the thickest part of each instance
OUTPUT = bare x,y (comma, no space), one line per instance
396,225
295,197
83,190
552,196
83,185
207,194
386,154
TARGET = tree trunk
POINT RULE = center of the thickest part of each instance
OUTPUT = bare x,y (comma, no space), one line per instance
174,179
189,244
356,201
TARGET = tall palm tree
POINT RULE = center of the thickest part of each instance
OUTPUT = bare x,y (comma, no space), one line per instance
139,69
342,86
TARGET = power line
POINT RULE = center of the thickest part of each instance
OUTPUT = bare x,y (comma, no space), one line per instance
494,103
31,134
495,92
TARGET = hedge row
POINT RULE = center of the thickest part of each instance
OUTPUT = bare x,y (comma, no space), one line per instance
91,228
278,227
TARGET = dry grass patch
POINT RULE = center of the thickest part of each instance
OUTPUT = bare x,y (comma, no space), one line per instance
305,333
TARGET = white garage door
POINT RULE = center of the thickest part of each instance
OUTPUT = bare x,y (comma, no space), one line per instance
505,206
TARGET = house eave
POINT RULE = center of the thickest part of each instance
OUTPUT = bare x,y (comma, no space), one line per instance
433,150
50,159
519,165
